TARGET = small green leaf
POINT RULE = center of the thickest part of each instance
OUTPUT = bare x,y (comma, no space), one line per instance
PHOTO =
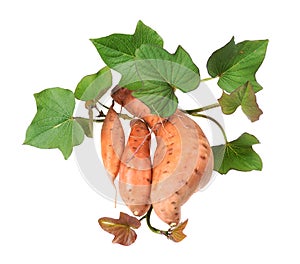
161,98
86,126
121,228
243,96
235,64
237,155
94,85
53,125
118,49
178,70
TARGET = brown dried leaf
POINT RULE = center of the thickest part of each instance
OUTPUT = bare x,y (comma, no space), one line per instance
177,234
121,228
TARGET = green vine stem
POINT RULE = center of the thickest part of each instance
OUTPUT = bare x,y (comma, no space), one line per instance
103,105
207,79
94,120
215,121
152,228
201,109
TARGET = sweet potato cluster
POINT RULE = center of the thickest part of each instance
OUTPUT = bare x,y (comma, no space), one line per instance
181,165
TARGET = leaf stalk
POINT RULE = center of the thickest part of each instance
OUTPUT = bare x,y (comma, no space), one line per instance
215,121
152,228
202,109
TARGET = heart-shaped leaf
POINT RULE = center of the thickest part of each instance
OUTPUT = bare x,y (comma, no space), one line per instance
161,100
117,49
178,70
148,69
121,228
53,125
236,64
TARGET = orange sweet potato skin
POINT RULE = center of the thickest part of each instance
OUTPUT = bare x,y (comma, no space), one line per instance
112,143
182,164
183,160
134,106
135,169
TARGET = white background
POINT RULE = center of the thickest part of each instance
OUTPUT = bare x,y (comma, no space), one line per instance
48,212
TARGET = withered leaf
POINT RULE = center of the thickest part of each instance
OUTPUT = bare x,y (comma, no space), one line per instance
177,234
243,96
121,228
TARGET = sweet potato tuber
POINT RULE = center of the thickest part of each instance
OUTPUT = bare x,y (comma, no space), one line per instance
134,106
183,160
112,143
135,170
182,164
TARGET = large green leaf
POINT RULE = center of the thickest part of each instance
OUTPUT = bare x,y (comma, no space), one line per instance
243,96
148,69
235,64
53,125
161,100
237,155
118,49
178,70
94,85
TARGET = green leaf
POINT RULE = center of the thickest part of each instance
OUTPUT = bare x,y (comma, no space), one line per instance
121,228
235,64
86,126
237,155
222,59
243,96
156,74
178,70
159,73
94,85
161,100
118,49
148,69
118,52
53,125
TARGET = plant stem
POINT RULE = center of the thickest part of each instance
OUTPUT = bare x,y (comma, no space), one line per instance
152,228
215,121
103,105
143,217
207,79
201,109
94,120
98,120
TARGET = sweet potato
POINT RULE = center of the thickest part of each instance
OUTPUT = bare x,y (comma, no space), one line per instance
112,143
134,106
183,160
182,164
135,170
